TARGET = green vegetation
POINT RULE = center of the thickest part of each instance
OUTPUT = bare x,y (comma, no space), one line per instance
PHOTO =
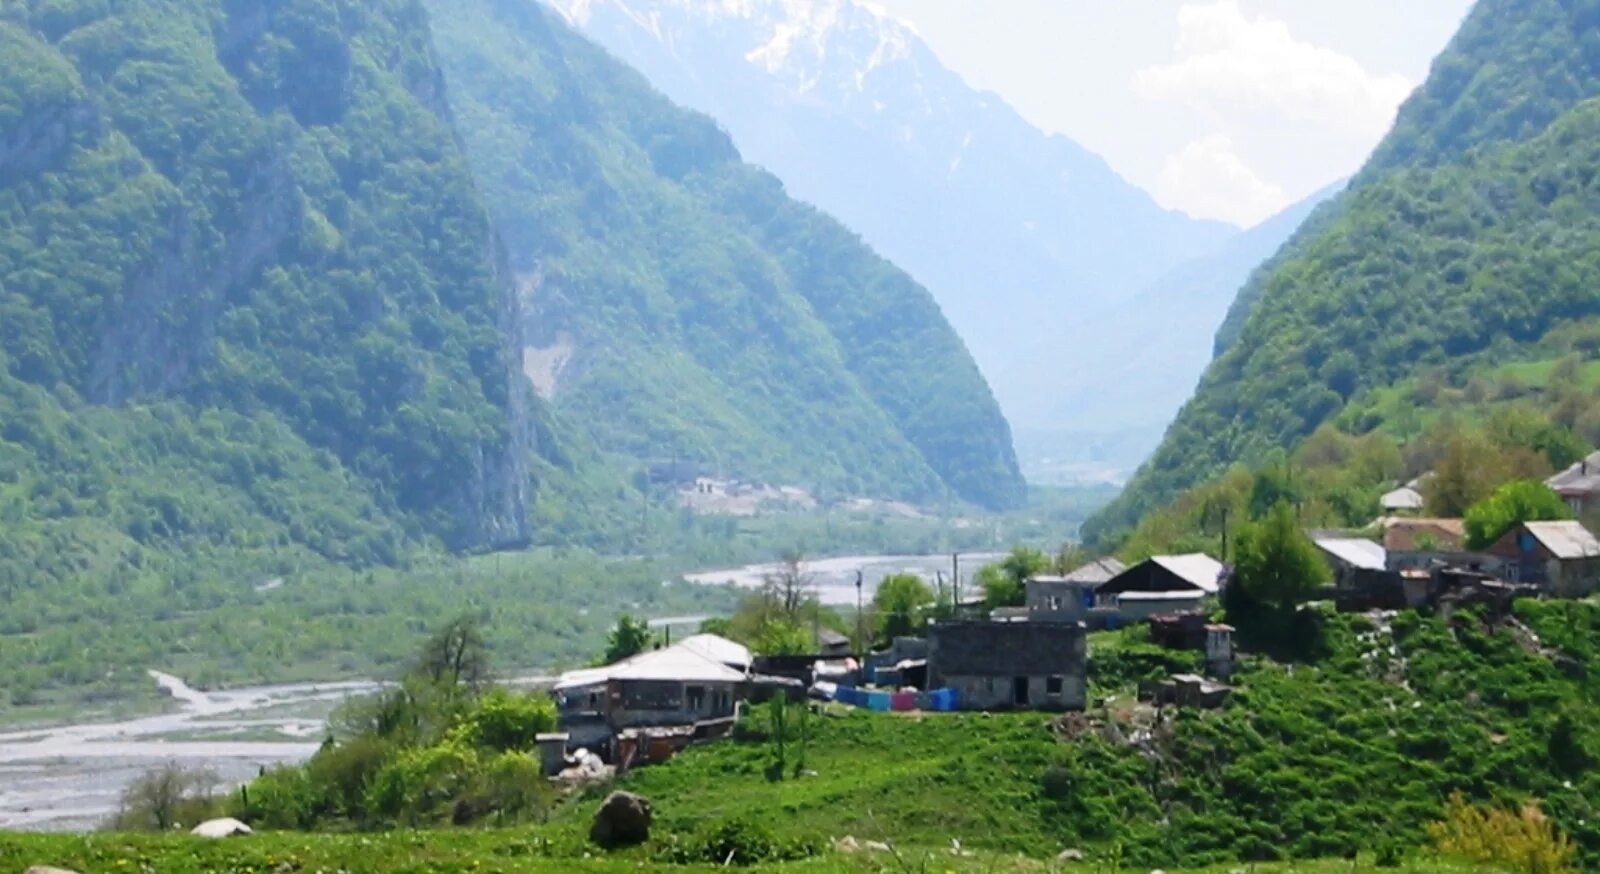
901,605
516,852
1276,564
1510,505
1357,750
1471,234
698,312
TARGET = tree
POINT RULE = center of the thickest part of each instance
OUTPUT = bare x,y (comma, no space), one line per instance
1510,505
629,638
167,797
787,588
1005,583
1275,562
901,604
456,655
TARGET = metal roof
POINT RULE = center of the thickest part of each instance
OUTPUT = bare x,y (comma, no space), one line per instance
1356,552
1177,595
1582,478
676,663
1403,498
1198,569
719,649
1565,540
1097,571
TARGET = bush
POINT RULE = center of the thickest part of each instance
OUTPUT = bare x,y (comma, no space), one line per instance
504,720
168,797
1524,839
739,841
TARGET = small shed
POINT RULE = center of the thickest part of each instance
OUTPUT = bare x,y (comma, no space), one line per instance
1402,500
1351,556
1562,558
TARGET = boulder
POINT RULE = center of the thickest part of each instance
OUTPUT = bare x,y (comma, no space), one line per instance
46,869
1073,855
623,819
225,827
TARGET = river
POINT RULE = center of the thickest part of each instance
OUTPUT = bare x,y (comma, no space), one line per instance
68,778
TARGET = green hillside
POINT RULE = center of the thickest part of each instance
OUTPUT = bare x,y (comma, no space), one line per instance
679,305
1481,253
1512,69
247,292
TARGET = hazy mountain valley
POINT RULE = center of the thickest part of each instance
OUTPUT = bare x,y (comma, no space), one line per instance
499,435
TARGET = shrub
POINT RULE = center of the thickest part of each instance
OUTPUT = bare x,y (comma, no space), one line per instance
167,798
504,720
739,841
1524,839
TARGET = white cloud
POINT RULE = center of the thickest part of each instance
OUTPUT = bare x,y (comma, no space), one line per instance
1236,67
1208,179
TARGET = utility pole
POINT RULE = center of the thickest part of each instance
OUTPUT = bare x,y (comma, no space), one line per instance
861,634
955,582
1224,535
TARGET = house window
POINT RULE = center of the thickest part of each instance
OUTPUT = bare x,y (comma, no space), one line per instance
594,700
1054,685
696,696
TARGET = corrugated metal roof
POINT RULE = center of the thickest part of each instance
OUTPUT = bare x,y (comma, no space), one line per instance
1580,479
1198,569
719,649
1403,498
1356,552
678,662
1566,540
1098,571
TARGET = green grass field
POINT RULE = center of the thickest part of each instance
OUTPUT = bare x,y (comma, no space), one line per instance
515,852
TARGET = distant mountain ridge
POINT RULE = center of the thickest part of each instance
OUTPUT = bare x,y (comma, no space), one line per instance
1016,232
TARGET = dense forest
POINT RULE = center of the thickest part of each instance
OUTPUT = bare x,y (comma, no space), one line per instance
686,307
1460,239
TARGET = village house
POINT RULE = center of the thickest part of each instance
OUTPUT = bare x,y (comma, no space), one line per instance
1423,544
1351,558
1401,501
1069,598
1161,584
1562,558
1010,665
1579,485
697,681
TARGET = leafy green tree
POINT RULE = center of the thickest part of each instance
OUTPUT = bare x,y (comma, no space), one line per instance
901,604
1276,563
1005,582
456,655
629,638
1510,505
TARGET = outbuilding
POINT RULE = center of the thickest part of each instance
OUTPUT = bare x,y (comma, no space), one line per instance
1010,665
1561,558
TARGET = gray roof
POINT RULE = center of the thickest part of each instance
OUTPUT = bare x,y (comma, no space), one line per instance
1198,569
1565,540
1582,478
1097,571
1403,498
1356,552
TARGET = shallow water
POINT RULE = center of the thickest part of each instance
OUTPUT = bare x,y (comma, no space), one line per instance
71,777
835,578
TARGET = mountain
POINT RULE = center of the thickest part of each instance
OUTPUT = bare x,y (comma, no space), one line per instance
256,312
1016,232
677,304
248,294
1471,232
1167,323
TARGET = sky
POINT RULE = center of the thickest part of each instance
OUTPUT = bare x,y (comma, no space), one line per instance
1225,109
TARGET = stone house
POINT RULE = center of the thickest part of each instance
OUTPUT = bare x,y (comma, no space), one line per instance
1561,558
1069,598
1010,665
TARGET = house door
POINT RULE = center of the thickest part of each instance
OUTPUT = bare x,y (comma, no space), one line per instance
1019,691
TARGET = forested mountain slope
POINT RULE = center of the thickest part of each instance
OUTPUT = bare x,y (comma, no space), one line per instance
1514,66
679,305
1018,233
248,295
1481,243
